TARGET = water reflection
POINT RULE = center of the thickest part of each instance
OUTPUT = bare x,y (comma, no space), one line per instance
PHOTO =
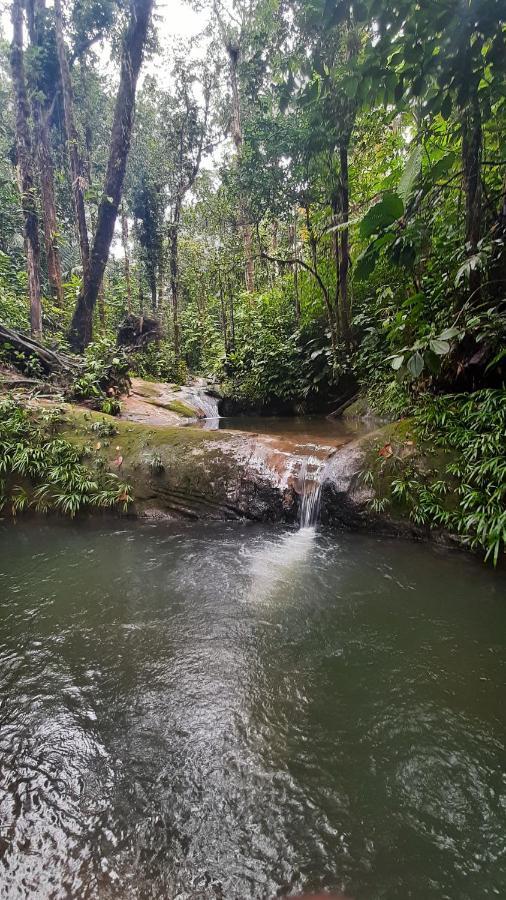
234,711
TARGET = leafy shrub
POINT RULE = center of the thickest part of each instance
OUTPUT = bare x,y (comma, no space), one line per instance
464,492
50,469
158,362
265,364
104,376
14,306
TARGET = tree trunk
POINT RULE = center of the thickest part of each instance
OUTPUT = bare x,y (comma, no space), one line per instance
152,288
82,321
237,136
344,264
472,140
232,317
223,309
336,256
160,277
295,245
48,207
24,151
174,283
35,9
76,165
126,258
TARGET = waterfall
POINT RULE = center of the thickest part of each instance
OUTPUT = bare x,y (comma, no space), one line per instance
197,396
311,480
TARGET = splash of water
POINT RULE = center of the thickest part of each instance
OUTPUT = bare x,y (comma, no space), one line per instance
311,480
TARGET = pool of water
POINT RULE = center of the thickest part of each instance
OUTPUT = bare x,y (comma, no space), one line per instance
295,430
232,711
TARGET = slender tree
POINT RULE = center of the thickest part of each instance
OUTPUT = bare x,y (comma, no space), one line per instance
233,37
41,111
126,257
26,179
133,46
76,165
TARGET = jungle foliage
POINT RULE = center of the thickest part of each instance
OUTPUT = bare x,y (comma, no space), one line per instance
313,202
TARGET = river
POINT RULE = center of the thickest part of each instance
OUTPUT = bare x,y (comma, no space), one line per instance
234,711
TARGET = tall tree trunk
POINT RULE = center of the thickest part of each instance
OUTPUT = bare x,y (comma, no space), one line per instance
101,306
336,255
48,206
223,309
152,288
295,244
160,277
174,281
126,258
35,9
472,140
237,136
232,316
344,265
24,151
76,165
82,321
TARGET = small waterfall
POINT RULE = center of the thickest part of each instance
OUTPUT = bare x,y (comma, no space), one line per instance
311,479
205,404
208,405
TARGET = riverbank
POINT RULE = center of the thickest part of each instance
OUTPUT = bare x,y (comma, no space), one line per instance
370,475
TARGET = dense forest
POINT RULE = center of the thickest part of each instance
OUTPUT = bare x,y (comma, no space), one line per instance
304,201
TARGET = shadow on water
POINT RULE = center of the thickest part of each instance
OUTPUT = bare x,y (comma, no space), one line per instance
238,711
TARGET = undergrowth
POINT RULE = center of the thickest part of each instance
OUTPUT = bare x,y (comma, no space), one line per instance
464,491
41,471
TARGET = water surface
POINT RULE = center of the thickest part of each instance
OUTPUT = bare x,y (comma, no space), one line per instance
293,432
232,711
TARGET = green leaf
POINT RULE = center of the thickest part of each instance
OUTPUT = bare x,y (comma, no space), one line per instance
441,167
365,263
440,348
411,172
381,215
449,333
397,362
416,364
446,107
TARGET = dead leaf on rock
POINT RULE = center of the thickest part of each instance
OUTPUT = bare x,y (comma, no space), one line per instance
386,451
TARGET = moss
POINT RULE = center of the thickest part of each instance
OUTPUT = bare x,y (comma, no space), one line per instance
394,452
180,408
146,389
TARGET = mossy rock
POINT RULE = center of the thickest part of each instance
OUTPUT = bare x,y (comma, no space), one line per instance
181,409
184,471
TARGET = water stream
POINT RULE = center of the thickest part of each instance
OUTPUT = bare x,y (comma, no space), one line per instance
234,711
311,481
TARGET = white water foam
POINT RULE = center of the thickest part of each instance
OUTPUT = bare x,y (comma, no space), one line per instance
311,480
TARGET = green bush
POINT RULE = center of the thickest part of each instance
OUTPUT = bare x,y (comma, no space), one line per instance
158,363
103,377
454,475
41,471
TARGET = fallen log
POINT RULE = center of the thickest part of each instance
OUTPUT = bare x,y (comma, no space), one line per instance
344,405
52,362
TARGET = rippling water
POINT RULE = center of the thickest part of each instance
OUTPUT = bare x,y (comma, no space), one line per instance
231,711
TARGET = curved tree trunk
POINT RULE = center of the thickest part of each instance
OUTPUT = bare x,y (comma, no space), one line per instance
24,150
82,321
